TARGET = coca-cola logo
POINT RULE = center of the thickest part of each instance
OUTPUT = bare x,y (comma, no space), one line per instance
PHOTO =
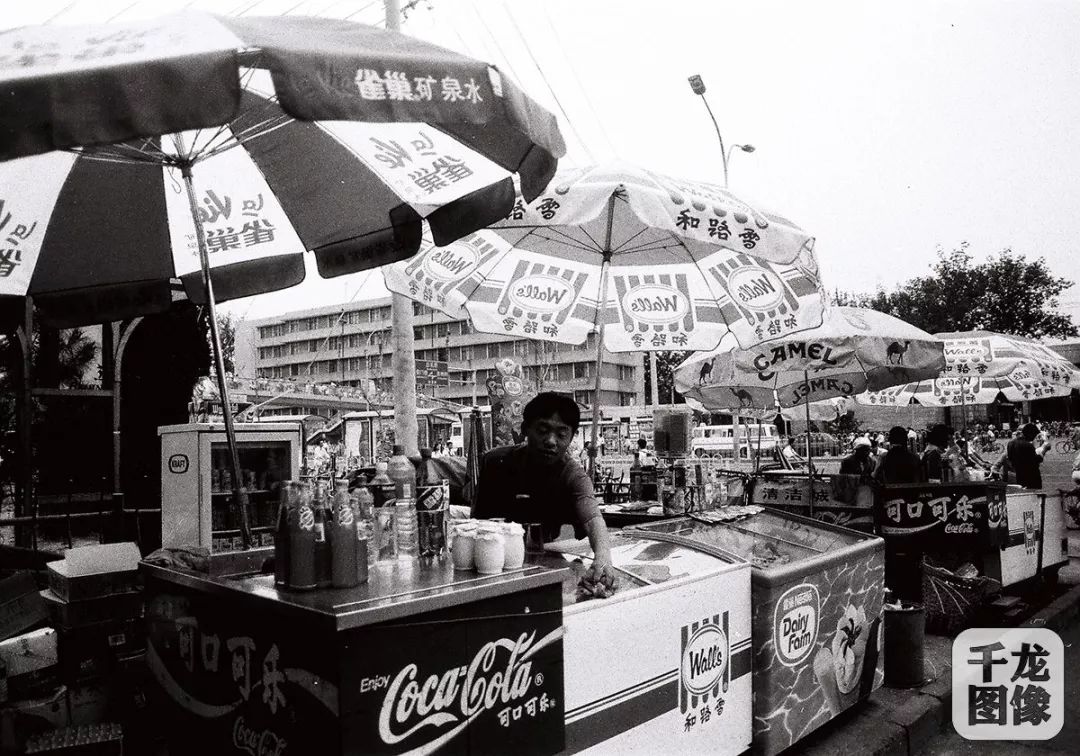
257,742
656,304
444,703
756,288
540,293
450,263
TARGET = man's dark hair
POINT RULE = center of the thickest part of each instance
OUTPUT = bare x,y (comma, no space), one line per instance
898,435
549,403
642,443
938,435
1030,431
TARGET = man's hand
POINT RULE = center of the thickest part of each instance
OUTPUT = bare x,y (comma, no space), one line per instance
602,571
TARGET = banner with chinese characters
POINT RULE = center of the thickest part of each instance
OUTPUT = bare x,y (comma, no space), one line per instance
951,514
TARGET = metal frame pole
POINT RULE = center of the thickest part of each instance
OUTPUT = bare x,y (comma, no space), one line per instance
239,494
600,334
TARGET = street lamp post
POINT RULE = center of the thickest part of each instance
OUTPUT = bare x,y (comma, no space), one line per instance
698,87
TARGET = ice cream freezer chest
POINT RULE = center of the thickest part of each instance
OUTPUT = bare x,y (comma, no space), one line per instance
663,665
816,596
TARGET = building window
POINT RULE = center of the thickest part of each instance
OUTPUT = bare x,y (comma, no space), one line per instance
581,369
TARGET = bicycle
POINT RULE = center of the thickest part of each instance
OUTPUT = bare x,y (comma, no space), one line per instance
1067,446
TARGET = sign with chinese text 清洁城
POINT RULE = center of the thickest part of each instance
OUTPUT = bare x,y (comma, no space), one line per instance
952,513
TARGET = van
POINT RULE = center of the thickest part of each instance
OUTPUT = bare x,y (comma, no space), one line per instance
720,439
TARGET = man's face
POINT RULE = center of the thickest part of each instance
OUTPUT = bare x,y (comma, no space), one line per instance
862,452
548,438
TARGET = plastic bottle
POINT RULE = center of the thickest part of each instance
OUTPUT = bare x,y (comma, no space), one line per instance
320,509
432,502
402,472
365,524
382,488
408,540
344,546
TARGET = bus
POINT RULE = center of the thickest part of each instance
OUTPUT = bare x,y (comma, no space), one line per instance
720,439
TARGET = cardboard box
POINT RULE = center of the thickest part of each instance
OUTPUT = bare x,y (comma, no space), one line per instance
31,662
21,720
21,606
91,651
71,614
94,571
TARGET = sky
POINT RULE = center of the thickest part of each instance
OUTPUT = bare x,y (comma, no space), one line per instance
886,130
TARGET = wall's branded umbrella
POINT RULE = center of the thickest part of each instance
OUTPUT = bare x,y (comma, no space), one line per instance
854,350
646,261
980,366
142,152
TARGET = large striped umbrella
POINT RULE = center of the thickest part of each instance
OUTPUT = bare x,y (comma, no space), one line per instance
852,351
261,138
980,366
646,261
219,150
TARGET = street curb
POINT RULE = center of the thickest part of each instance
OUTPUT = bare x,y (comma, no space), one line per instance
1059,612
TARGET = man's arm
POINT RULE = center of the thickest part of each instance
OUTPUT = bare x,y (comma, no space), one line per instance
600,541
592,522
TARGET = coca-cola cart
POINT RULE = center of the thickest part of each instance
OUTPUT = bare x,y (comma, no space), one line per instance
816,594
413,661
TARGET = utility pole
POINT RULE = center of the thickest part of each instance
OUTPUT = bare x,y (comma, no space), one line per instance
404,358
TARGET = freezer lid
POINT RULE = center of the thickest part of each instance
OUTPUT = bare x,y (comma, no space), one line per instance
659,561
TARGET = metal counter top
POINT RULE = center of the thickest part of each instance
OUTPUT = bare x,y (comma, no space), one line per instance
392,592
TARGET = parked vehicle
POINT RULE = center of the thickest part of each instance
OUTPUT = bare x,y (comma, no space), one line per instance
720,439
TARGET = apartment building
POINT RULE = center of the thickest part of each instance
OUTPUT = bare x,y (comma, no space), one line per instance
350,345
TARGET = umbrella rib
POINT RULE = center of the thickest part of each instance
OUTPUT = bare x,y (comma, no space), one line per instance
566,239
625,246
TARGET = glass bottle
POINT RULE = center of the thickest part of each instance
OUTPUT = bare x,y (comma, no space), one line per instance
344,546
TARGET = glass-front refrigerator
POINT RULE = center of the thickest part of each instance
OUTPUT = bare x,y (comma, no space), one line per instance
197,482
817,593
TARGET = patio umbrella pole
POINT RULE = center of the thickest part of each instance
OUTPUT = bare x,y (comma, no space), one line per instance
600,335
239,494
809,455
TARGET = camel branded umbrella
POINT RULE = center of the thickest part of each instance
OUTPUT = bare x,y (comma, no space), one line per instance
853,351
218,150
645,261
980,366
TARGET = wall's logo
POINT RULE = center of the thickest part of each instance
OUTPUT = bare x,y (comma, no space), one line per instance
756,288
656,304
795,623
178,464
704,668
450,263
540,293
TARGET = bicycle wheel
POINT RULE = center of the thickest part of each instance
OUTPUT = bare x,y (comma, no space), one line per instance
1063,447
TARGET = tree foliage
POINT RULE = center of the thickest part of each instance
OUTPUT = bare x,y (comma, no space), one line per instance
666,362
1007,293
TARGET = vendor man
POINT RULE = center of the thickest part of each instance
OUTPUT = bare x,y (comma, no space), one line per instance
538,481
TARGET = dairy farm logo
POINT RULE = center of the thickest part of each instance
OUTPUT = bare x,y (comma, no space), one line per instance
703,665
656,304
540,293
450,263
795,624
756,289
442,704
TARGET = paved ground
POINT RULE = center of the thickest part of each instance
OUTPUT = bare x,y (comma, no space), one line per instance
1067,741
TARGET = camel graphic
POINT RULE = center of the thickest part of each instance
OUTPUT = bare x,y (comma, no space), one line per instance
744,397
706,372
897,350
